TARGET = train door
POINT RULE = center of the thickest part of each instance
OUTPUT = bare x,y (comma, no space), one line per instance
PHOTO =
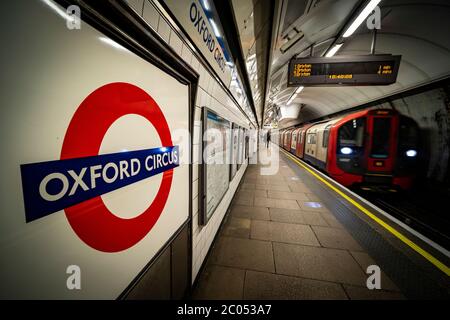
294,140
287,145
382,142
299,147
311,143
323,147
300,151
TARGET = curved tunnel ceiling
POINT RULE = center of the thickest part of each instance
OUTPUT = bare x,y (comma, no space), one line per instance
254,21
408,28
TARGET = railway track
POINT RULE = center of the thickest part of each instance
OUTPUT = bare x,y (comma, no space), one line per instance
434,225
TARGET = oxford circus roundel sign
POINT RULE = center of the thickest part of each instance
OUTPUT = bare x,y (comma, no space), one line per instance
91,219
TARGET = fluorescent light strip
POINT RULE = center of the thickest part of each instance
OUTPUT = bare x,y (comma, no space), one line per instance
291,99
58,10
112,43
361,18
214,26
206,5
333,51
299,89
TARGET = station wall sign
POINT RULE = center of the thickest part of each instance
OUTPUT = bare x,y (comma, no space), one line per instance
191,16
93,175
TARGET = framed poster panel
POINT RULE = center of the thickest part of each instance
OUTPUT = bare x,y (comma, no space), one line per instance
247,143
240,156
215,170
234,150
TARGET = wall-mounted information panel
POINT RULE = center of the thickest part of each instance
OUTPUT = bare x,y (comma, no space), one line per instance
216,168
240,159
344,70
247,143
234,150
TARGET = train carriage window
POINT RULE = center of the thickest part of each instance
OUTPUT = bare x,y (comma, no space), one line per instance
351,134
301,136
381,137
311,138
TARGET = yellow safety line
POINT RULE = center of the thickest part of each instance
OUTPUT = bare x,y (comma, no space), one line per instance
441,266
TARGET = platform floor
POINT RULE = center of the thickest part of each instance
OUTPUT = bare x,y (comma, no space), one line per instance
280,241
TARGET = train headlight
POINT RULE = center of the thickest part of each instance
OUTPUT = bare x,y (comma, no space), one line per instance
346,150
411,153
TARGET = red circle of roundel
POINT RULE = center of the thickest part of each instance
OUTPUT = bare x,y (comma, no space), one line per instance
91,220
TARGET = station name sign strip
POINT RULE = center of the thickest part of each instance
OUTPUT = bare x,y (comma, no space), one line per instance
55,185
194,21
368,70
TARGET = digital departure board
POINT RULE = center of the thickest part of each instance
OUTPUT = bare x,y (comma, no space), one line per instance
376,70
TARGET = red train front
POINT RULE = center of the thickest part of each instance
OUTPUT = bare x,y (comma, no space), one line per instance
374,149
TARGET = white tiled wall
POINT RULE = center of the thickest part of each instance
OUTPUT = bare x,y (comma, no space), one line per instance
209,94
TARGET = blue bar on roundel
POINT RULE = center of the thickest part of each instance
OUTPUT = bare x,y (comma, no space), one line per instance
55,185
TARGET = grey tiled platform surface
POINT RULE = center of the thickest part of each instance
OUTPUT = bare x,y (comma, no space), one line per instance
274,245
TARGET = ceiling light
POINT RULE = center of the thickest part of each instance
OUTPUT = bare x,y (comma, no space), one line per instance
251,57
206,5
58,10
361,18
299,89
112,43
333,51
214,26
291,99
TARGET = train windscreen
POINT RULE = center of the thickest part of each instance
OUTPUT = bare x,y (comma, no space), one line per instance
408,134
350,148
381,138
351,134
408,148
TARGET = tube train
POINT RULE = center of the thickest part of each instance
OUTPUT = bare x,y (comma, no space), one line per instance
372,149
